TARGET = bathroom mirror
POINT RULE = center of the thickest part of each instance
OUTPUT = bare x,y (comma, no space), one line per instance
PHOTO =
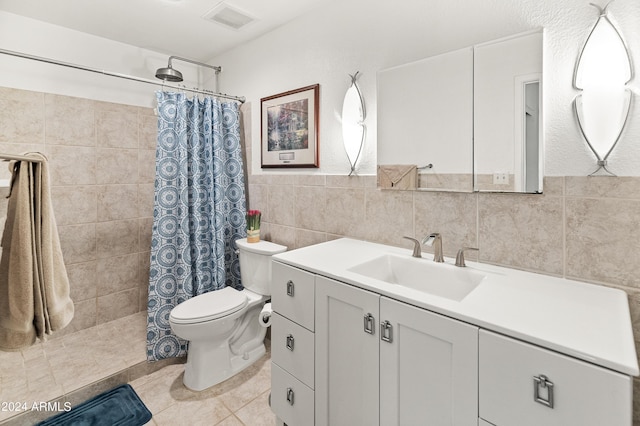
507,117
467,118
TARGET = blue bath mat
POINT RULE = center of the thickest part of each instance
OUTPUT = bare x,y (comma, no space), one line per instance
120,406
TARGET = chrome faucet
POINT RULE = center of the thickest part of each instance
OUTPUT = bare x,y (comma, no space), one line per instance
417,250
460,255
435,240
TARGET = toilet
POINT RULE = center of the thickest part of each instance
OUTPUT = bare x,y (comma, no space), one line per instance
223,327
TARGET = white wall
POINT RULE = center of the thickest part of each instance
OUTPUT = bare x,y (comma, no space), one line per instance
369,35
37,38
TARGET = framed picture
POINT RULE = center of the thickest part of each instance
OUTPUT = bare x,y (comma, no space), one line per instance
290,128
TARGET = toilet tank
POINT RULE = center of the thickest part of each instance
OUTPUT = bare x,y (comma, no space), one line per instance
255,264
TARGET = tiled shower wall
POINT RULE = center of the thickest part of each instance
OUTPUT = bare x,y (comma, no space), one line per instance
102,167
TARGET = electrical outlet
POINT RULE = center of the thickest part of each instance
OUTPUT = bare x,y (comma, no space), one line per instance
500,178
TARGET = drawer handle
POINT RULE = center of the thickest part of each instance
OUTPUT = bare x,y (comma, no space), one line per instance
290,396
386,331
543,382
290,288
290,342
369,324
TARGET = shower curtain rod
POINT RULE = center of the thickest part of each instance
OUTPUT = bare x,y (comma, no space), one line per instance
240,99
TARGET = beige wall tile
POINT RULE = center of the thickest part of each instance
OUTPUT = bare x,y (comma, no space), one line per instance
603,186
116,238
147,129
74,204
310,207
71,165
116,166
116,125
280,209
84,317
284,235
117,305
146,166
336,181
117,202
116,274
78,242
453,215
522,231
311,180
259,199
602,240
82,280
21,117
388,216
146,194
145,230
346,217
306,238
70,121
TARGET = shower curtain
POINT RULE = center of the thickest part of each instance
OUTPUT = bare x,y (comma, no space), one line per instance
199,210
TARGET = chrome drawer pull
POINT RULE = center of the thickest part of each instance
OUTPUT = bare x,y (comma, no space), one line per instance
290,342
543,382
369,324
290,288
386,331
290,396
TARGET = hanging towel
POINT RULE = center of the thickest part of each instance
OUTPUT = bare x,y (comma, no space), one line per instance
34,287
397,176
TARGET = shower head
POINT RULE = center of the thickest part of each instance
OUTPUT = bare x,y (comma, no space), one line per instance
170,74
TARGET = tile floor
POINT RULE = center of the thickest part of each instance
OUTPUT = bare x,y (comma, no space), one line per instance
77,366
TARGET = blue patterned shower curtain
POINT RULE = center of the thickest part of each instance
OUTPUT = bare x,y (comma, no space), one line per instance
199,210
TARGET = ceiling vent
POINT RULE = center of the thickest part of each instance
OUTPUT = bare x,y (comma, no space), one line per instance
229,16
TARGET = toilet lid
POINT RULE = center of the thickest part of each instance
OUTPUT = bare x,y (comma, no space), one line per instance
209,306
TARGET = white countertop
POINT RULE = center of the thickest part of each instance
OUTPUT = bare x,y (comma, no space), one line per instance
586,321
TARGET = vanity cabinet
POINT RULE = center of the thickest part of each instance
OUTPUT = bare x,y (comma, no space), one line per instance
371,351
292,345
428,368
522,384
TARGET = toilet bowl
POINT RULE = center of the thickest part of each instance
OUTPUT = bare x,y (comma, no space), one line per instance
223,328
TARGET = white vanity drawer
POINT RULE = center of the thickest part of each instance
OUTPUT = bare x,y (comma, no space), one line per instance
292,348
293,294
291,400
583,394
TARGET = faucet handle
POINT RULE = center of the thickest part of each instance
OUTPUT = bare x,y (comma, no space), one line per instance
417,250
460,255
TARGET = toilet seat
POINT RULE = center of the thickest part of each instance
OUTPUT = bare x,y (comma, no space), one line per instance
209,306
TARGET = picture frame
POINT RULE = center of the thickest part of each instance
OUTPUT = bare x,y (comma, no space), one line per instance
290,128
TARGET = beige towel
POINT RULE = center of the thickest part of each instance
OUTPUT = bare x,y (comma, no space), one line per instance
397,176
34,287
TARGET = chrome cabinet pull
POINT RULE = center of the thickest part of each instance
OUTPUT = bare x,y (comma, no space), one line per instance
386,331
369,324
290,341
290,288
543,382
290,396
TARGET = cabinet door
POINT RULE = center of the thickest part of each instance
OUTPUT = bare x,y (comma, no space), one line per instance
574,392
347,357
428,370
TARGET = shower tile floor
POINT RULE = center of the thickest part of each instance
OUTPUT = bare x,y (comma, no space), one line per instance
76,366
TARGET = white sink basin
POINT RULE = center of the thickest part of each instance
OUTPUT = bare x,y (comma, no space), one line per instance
438,279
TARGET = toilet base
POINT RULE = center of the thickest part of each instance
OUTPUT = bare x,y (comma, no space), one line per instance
218,369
